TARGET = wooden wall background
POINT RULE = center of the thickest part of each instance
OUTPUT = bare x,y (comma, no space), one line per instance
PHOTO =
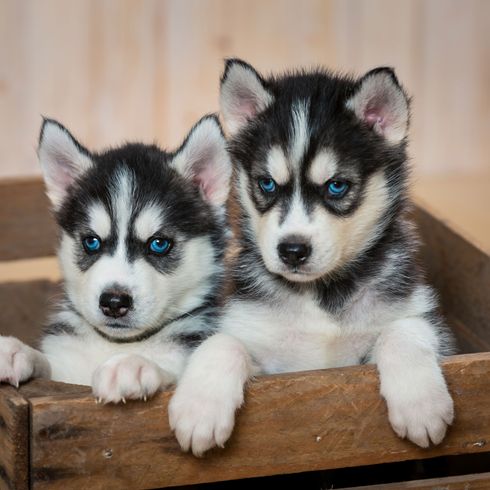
115,70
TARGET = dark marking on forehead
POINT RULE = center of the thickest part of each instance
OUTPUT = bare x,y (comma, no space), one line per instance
152,180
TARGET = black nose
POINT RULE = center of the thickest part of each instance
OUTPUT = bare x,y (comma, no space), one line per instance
294,253
115,304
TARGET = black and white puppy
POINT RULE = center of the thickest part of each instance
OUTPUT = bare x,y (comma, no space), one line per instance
327,275
142,238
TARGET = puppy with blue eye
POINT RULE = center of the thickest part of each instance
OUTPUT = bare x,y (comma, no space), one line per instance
327,274
142,237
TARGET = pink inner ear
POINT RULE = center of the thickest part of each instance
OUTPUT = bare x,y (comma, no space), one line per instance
206,181
372,117
246,105
377,116
64,174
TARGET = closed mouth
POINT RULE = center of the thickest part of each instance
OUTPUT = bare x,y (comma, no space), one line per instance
117,325
299,274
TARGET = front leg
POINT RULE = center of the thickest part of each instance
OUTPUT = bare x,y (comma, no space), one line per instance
419,404
202,410
129,376
19,362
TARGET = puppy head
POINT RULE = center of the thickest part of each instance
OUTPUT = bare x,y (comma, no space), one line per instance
141,229
321,163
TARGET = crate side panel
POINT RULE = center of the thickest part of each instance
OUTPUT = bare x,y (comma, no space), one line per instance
290,423
460,272
28,230
25,307
14,439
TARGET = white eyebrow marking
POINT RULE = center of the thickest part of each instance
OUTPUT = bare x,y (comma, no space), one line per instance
148,222
300,131
99,220
277,165
122,204
323,167
297,218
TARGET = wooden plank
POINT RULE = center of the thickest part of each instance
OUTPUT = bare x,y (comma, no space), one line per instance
479,481
14,439
28,230
24,308
44,387
35,269
290,423
460,272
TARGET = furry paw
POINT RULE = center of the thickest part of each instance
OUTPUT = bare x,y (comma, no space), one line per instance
201,421
423,417
202,410
17,363
127,377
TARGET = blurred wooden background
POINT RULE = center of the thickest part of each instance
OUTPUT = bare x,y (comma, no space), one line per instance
114,70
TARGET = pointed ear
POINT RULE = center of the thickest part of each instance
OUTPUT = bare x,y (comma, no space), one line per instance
204,160
62,160
381,103
243,94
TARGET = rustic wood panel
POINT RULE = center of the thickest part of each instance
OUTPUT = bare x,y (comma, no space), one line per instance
460,272
44,387
28,230
463,482
134,72
14,440
24,308
291,423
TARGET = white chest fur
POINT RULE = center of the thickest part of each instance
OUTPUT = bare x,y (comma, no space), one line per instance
74,359
295,334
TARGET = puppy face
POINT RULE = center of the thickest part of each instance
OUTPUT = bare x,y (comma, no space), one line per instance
321,164
141,229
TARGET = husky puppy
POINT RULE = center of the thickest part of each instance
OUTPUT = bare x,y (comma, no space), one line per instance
327,275
142,238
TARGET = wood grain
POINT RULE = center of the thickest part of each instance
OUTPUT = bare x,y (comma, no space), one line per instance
290,423
460,272
479,481
14,440
28,230
25,307
134,72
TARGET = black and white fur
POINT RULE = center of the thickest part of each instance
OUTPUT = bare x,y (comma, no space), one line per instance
359,296
127,197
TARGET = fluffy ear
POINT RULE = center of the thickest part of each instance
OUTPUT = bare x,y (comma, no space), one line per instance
382,104
62,160
203,158
243,94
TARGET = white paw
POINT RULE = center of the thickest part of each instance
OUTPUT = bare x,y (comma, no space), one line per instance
127,377
202,420
422,417
16,361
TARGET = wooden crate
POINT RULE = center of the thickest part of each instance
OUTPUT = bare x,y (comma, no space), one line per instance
54,435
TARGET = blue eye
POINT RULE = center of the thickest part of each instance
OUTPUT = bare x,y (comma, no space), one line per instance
160,246
267,185
337,188
91,244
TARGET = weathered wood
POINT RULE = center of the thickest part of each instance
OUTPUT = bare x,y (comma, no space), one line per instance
44,387
479,481
24,308
14,439
28,230
460,273
291,423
